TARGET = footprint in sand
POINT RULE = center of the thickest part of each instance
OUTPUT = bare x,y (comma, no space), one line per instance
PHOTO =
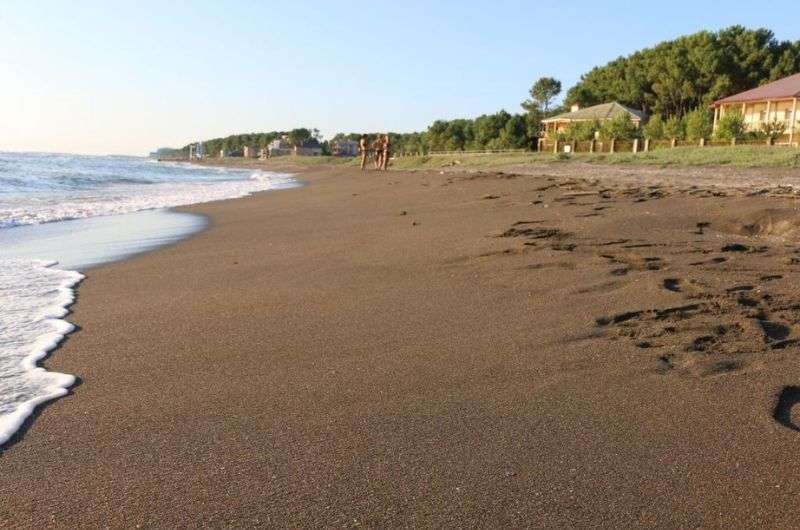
712,261
735,247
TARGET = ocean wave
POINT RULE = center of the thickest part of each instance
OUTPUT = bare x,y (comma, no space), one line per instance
49,188
128,198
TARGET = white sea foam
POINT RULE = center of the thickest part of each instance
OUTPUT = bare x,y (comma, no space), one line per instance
35,296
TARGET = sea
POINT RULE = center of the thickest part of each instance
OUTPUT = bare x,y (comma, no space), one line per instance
61,215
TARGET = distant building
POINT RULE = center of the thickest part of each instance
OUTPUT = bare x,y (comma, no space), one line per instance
310,147
345,148
601,113
197,151
773,102
280,147
249,152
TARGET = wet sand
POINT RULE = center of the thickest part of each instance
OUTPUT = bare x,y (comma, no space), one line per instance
436,349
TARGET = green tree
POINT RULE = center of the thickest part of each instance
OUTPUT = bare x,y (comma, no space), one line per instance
698,125
514,133
676,76
488,128
730,126
533,126
619,128
674,127
298,136
581,131
542,94
654,129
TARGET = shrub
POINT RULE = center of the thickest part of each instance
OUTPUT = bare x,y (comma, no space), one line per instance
754,135
774,129
674,127
731,126
698,125
582,131
655,128
553,135
619,128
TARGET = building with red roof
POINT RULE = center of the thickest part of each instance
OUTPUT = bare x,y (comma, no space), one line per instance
773,102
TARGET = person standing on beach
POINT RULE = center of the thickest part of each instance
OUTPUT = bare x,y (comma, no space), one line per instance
363,144
387,152
377,146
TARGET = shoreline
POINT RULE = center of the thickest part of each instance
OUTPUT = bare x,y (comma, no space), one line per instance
424,348
78,244
67,250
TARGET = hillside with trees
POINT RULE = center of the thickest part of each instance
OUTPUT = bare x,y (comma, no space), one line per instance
677,76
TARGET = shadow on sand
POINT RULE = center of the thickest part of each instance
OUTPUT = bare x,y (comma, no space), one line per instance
26,425
787,399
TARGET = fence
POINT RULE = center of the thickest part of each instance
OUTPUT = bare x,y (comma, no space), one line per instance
641,145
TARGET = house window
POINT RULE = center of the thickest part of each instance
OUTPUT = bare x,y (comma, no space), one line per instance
762,116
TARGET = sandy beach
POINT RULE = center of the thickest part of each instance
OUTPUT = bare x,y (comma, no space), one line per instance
560,347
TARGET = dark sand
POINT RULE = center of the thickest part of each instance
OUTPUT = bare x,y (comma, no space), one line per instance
425,349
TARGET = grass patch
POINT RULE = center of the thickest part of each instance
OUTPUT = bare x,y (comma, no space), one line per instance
738,156
310,161
746,156
468,160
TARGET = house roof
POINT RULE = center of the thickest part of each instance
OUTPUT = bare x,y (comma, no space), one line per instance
786,88
606,111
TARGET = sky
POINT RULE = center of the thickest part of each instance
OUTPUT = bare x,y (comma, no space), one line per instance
113,77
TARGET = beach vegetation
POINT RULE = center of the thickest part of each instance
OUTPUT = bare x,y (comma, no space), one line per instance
619,128
674,127
699,125
581,131
501,130
731,126
654,129
773,129
689,72
747,156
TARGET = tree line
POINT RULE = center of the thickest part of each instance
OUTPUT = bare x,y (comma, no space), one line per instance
235,144
673,82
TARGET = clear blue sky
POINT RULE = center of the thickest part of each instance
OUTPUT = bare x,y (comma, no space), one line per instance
109,76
